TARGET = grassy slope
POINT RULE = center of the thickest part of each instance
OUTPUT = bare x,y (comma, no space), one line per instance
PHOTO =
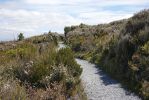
33,69
121,48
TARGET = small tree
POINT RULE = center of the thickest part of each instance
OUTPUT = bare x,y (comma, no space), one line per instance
20,36
66,30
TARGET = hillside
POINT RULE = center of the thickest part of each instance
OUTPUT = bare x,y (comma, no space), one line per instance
34,69
120,48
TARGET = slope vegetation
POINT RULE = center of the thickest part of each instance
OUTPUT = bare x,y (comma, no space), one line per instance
33,69
120,48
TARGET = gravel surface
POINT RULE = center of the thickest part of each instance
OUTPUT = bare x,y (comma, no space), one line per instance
99,86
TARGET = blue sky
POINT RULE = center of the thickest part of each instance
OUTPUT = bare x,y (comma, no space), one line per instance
33,17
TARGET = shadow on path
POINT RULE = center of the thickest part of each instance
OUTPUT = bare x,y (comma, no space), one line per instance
106,79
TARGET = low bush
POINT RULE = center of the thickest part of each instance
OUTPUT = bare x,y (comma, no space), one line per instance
36,67
120,48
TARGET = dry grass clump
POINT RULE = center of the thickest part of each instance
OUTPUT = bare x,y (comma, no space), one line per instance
36,70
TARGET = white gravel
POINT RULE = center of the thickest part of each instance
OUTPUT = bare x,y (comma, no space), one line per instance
98,86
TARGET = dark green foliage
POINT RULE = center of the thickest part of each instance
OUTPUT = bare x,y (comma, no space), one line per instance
66,30
69,84
20,36
49,65
119,48
82,25
66,57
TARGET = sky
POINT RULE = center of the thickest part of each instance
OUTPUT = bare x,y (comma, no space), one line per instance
34,17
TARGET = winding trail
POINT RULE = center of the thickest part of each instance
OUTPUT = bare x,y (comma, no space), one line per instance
98,86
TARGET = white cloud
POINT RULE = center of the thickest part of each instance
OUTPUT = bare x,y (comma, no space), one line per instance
102,17
123,2
32,21
57,2
37,16
88,2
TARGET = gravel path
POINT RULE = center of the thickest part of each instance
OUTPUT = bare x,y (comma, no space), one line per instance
98,86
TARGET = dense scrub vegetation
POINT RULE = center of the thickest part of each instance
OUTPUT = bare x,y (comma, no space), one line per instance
34,69
120,48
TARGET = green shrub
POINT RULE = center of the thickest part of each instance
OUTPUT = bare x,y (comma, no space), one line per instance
66,57
145,48
120,48
20,36
69,83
